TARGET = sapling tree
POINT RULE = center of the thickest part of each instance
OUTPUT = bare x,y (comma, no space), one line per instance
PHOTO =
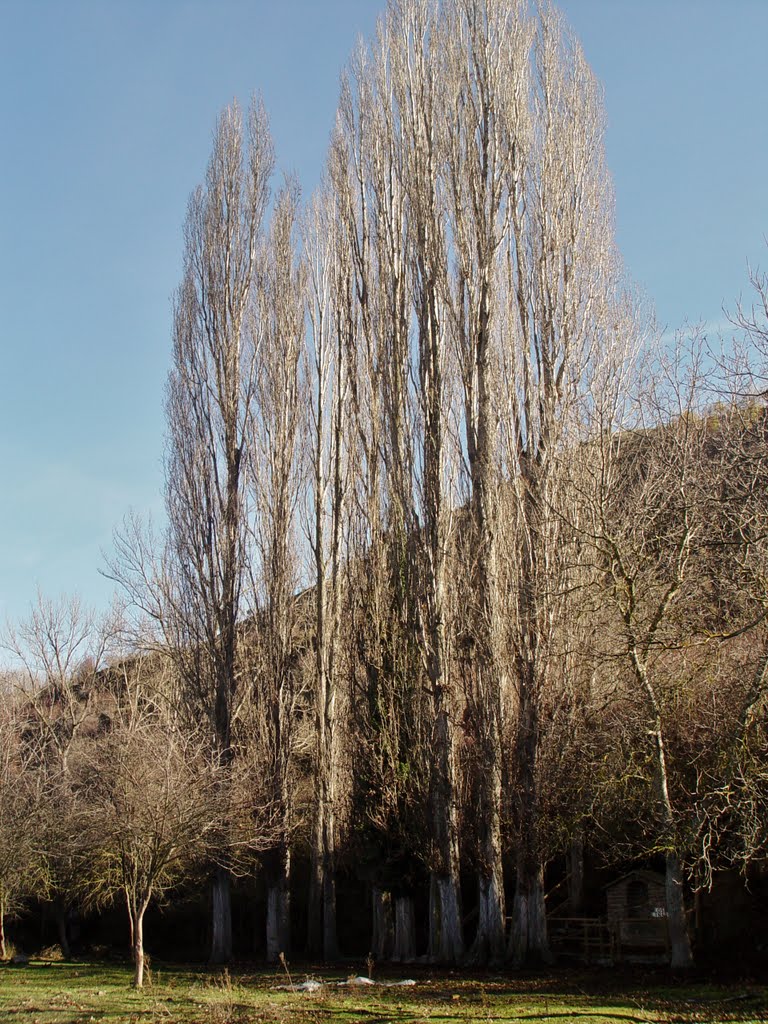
151,803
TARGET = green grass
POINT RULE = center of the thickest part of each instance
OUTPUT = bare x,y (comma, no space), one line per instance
84,993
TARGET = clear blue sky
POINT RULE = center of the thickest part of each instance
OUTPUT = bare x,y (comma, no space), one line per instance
106,112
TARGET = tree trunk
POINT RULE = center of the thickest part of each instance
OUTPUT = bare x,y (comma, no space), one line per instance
321,924
131,927
330,945
383,937
279,907
315,900
680,943
136,911
138,950
446,941
221,918
405,930
489,943
528,937
60,913
446,944
528,943
488,946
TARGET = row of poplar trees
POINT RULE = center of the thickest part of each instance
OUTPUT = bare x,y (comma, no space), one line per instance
432,513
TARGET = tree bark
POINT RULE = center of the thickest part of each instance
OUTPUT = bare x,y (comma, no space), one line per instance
446,944
489,943
279,907
315,898
221,917
680,942
383,937
404,950
330,944
446,939
2,927
136,911
60,913
528,941
489,940
679,939
321,923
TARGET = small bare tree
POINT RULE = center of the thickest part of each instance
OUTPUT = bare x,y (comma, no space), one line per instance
151,799
61,649
652,486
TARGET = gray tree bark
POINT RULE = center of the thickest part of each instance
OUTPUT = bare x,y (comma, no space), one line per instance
383,936
404,948
221,917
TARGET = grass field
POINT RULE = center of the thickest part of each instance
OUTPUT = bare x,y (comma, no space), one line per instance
83,993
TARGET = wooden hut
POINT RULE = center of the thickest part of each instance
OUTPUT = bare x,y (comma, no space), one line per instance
637,915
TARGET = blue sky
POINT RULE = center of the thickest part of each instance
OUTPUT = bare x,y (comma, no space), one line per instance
106,112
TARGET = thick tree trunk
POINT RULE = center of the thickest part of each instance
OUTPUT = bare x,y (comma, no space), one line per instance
383,937
330,944
279,907
321,917
221,917
679,939
528,938
446,944
404,949
446,940
489,943
528,943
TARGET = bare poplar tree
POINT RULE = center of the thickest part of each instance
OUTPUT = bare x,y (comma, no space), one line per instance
559,282
484,69
209,403
329,342
414,32
388,706
276,480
